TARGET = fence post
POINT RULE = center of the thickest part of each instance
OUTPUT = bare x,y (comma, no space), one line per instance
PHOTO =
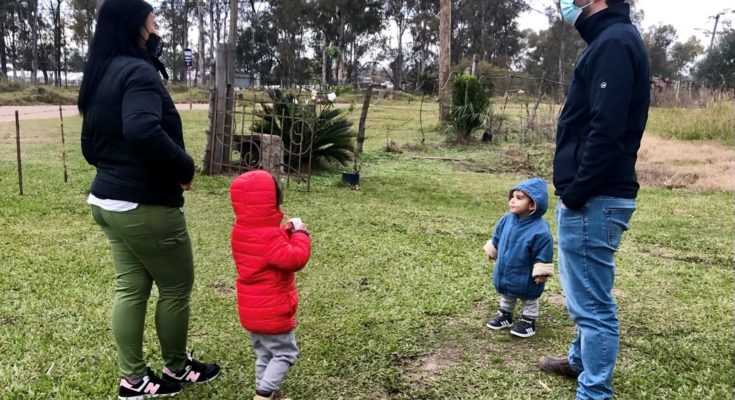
63,144
17,146
363,117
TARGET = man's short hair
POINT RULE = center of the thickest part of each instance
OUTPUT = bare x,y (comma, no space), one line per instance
612,2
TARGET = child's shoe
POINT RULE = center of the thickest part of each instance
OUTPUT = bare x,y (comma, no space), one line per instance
525,327
149,386
193,372
502,320
273,396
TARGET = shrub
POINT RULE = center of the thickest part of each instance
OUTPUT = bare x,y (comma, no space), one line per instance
470,105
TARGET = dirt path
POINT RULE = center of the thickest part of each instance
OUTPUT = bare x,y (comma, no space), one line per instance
689,165
7,113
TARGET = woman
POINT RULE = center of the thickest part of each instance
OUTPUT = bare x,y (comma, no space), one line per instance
132,134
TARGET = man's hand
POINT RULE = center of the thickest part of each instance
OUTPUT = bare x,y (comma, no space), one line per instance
541,279
186,186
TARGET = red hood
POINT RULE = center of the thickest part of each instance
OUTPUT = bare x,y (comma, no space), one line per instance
253,197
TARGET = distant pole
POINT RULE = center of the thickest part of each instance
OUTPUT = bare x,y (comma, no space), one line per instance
17,146
188,70
714,32
63,144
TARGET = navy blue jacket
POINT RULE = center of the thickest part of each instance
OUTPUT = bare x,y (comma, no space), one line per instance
132,134
605,113
522,244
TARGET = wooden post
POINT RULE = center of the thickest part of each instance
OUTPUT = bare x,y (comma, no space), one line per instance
445,56
225,106
363,117
17,146
63,144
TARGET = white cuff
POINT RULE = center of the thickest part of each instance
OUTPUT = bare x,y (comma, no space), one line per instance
491,251
541,269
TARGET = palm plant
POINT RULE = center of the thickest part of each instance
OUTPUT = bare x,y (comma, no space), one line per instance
328,135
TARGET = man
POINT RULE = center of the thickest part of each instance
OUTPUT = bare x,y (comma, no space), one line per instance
598,137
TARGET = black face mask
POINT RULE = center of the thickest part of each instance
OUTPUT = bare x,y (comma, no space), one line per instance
154,45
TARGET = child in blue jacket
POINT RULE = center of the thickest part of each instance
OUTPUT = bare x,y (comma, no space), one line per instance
522,247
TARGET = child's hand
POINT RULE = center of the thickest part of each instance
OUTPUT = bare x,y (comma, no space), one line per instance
541,279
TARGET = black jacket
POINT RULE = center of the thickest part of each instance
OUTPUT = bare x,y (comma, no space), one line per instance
132,133
605,113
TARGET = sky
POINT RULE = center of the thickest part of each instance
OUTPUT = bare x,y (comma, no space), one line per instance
690,18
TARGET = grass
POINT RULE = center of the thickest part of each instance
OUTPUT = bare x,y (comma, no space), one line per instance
716,123
394,299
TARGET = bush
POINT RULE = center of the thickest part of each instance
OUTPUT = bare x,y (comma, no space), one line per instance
470,105
333,138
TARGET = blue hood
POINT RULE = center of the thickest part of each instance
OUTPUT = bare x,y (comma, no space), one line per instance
537,190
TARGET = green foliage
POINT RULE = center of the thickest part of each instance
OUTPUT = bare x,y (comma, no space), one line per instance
470,103
717,69
332,135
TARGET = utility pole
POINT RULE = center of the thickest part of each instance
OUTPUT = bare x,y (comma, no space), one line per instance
714,32
445,57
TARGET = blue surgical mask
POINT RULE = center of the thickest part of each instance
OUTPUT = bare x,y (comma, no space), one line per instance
570,12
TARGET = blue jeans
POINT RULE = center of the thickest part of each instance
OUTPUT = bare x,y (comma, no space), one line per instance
588,240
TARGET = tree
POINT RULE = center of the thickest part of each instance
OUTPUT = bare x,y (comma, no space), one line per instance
401,12
424,28
682,55
343,23
717,69
552,53
83,19
658,40
488,28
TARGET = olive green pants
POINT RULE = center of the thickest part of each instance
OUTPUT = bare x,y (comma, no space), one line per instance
149,244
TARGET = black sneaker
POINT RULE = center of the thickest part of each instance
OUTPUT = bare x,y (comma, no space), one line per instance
150,386
525,327
502,320
193,372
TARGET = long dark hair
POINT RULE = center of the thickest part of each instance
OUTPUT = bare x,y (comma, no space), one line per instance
117,34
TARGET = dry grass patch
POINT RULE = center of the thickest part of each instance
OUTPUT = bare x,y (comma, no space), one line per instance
675,164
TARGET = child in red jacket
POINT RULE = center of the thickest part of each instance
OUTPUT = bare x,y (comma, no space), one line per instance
267,255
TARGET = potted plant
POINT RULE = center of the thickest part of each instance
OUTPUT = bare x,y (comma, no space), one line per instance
352,179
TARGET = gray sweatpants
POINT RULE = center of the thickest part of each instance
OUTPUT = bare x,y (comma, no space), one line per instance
275,355
530,306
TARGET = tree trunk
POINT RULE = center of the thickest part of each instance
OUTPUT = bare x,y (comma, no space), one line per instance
57,42
34,45
399,59
325,60
200,47
3,56
445,54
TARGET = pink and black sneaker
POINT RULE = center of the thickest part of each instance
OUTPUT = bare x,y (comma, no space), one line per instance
193,372
148,387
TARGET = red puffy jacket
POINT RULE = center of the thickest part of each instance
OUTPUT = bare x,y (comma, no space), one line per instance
266,255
